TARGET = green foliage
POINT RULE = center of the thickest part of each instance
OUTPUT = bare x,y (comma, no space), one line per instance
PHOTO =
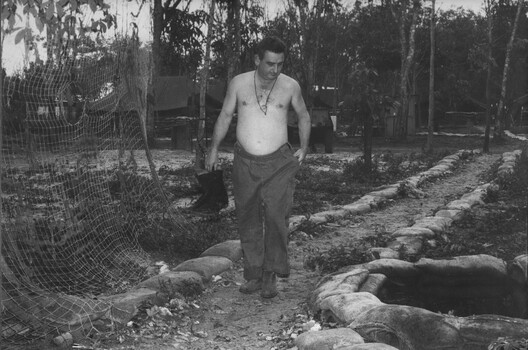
181,50
63,14
180,182
517,180
316,187
224,43
185,288
378,33
351,253
492,194
496,229
311,228
357,171
335,258
189,243
509,344
335,182
205,234
389,167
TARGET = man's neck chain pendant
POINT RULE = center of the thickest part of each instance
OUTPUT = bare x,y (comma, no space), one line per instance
263,106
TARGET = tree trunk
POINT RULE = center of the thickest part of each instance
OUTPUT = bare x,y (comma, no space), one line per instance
309,48
407,48
204,76
430,121
499,121
238,37
336,79
50,40
234,40
230,40
485,148
306,56
318,10
1,155
367,112
157,27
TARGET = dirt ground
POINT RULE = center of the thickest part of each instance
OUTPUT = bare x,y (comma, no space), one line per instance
223,318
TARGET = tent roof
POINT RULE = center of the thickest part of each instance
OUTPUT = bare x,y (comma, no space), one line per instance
216,90
170,92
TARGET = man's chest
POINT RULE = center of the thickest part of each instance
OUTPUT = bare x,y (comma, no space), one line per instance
278,98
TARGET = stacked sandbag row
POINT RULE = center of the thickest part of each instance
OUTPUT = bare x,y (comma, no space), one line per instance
350,296
409,241
374,199
509,159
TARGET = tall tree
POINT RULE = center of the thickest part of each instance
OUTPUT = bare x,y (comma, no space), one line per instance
314,58
204,77
401,11
1,147
499,121
176,45
179,31
304,44
60,20
157,29
430,121
369,103
234,39
308,26
489,66
460,61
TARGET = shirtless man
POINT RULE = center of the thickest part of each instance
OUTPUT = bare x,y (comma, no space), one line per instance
264,164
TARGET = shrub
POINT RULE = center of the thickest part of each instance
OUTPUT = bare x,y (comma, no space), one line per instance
517,181
509,344
343,255
189,240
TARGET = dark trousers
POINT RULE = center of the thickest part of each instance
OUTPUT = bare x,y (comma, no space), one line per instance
263,191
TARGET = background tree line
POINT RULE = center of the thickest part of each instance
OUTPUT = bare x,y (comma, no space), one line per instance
377,52
383,44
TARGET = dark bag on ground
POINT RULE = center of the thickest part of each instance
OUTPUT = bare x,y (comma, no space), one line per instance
214,193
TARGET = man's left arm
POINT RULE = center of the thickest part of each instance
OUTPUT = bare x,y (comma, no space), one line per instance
304,122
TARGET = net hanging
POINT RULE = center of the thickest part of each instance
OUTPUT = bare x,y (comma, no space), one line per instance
74,200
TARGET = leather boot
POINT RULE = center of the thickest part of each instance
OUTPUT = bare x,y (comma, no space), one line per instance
269,285
214,196
251,286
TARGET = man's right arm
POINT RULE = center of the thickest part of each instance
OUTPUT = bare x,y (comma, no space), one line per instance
222,125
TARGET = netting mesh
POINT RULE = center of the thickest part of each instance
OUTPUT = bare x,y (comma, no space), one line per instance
74,201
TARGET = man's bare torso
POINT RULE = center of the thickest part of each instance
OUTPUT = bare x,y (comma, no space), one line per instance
260,133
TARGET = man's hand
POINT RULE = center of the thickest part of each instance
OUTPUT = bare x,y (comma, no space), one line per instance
211,159
301,154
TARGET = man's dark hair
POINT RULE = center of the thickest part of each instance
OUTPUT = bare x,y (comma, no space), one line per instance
270,43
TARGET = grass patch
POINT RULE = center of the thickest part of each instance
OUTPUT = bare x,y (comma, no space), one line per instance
509,344
497,228
191,240
352,253
323,183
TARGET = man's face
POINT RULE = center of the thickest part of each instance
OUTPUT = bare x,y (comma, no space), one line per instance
270,66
